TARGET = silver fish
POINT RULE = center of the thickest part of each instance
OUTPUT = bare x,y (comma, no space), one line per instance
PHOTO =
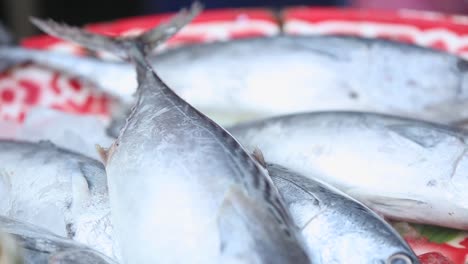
259,77
56,189
182,190
404,169
337,228
39,246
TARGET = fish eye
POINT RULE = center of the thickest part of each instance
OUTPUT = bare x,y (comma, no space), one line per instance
399,258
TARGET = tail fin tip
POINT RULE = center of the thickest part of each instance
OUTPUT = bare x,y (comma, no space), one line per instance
149,40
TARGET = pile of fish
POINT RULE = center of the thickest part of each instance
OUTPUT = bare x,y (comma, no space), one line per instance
177,187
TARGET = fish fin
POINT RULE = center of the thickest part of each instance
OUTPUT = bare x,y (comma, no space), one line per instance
386,205
243,226
426,137
246,226
232,225
103,153
79,36
257,154
147,41
154,37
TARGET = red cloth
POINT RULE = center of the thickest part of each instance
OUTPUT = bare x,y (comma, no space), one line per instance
446,6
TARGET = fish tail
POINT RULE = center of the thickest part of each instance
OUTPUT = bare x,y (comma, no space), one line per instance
121,46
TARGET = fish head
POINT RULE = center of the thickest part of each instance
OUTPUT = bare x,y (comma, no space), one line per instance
374,241
337,228
250,234
374,253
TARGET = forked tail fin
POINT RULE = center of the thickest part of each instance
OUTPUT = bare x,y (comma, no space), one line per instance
121,46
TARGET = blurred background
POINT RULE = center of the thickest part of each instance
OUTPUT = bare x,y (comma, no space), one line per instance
15,13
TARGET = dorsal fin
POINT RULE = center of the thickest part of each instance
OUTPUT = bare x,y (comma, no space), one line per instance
257,154
103,153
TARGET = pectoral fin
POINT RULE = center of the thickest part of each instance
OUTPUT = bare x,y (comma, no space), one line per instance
389,205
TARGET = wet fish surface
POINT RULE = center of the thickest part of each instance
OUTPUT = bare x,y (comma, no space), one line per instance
337,228
232,81
402,168
39,246
56,189
181,188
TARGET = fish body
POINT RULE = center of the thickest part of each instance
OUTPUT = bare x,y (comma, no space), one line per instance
56,189
278,75
230,80
336,227
195,195
404,169
39,246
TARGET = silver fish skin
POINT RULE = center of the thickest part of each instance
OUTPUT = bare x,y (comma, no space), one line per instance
195,195
39,246
56,189
404,169
336,227
311,73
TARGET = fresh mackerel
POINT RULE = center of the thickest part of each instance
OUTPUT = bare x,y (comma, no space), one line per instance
403,168
182,189
337,228
259,77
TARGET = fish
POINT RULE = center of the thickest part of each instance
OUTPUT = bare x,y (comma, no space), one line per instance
35,245
336,227
56,189
181,188
233,81
404,169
